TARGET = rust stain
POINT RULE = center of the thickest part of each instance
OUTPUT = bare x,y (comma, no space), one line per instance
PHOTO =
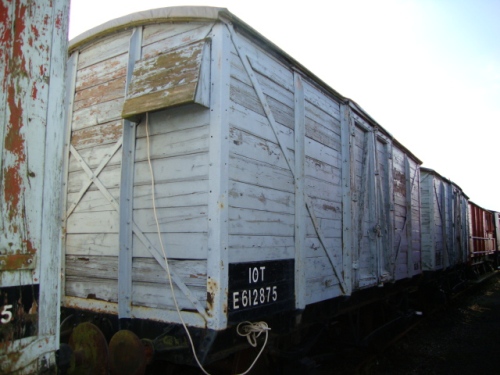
212,288
15,262
399,182
328,207
28,245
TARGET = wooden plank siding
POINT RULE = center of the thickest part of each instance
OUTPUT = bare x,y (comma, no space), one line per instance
443,222
32,118
406,260
179,149
262,207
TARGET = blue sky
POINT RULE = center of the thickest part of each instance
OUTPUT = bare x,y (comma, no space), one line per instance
427,70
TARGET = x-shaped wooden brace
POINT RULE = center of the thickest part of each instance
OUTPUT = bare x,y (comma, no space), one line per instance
93,178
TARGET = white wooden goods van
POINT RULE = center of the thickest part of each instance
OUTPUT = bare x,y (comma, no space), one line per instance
271,190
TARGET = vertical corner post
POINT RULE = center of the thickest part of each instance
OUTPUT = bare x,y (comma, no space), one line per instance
300,204
127,192
218,210
51,234
409,218
347,241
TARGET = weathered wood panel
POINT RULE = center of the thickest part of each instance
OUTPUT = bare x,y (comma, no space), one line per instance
267,65
99,244
259,223
110,177
245,96
169,79
103,92
93,201
33,43
319,98
260,198
91,288
163,37
258,248
179,168
178,143
250,122
99,114
174,120
104,49
260,174
172,194
93,157
173,219
96,278
92,222
107,133
256,149
322,288
189,245
101,72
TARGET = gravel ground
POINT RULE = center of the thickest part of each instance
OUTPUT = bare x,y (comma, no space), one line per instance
462,339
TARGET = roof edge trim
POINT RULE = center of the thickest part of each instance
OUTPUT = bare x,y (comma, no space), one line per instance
158,15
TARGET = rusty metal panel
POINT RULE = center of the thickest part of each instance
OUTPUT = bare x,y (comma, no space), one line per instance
33,44
482,231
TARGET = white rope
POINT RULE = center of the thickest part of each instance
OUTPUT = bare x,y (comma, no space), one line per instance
251,330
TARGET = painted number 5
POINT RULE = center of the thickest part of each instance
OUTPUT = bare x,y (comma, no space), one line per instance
6,314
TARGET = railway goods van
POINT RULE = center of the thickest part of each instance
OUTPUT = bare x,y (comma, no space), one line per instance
200,155
483,229
445,229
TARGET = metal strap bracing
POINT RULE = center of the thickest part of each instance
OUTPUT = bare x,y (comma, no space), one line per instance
443,224
408,214
364,189
267,109
380,227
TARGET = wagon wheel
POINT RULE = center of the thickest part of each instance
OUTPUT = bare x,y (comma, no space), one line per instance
128,354
90,351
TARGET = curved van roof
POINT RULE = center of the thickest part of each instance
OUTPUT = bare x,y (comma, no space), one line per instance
200,13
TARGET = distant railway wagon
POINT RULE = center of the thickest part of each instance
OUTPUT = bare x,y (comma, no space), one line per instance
483,229
445,229
496,216
200,155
